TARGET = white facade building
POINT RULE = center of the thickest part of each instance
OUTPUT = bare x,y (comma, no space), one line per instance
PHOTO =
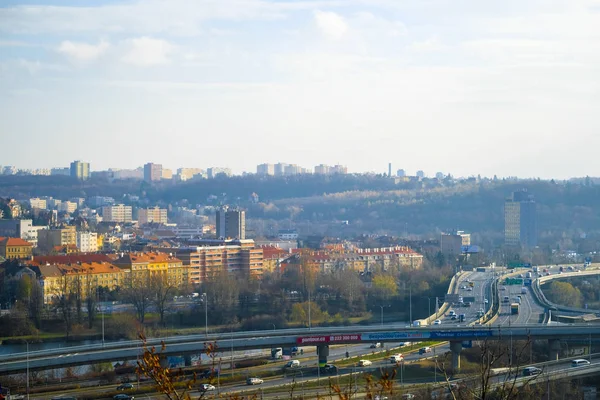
87,242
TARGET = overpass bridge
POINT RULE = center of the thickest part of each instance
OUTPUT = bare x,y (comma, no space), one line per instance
322,338
499,327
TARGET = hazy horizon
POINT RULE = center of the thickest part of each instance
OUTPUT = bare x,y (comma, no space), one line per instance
467,88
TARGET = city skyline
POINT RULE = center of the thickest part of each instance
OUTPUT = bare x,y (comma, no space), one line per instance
476,88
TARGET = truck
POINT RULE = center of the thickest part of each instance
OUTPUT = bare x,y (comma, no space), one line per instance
277,353
514,308
419,323
528,275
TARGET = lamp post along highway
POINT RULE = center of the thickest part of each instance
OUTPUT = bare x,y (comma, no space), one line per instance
27,370
205,299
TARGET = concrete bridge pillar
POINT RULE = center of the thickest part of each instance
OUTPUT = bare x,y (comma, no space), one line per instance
553,349
456,348
323,352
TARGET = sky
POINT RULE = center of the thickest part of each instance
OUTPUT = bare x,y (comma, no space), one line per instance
507,88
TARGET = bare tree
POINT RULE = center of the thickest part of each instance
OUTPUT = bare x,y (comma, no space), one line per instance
138,292
162,288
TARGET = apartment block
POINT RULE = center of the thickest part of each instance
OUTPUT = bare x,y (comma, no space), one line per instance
520,220
152,172
154,263
152,215
231,224
214,171
117,213
87,242
452,243
265,169
214,257
51,238
67,206
184,174
80,170
38,203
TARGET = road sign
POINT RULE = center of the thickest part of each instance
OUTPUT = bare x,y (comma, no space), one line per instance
469,299
328,339
452,298
513,281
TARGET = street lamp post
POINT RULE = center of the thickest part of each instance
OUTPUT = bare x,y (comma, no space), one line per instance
205,298
428,305
102,309
410,305
382,314
27,370
274,328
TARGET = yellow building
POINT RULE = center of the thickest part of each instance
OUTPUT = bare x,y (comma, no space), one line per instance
155,263
60,279
15,248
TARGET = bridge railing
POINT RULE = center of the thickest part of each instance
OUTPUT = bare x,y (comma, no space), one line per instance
536,284
452,289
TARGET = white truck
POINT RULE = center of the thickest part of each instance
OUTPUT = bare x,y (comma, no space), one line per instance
419,323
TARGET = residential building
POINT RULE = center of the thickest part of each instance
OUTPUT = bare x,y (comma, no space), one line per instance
117,213
53,203
358,259
67,206
452,243
293,169
322,169
57,280
265,169
15,248
155,263
214,171
152,215
87,242
231,224
279,169
167,173
152,172
137,173
51,238
21,228
38,203
520,220
80,170
211,258
184,174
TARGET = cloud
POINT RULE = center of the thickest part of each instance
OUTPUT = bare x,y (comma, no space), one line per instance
332,25
83,52
146,51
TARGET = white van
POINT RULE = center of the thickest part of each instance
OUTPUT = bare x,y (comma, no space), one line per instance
579,362
396,358
293,364
523,290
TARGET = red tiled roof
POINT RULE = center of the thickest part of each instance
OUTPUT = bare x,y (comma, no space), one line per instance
270,252
71,259
10,241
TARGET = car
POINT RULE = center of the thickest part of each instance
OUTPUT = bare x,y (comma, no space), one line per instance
375,345
468,304
451,313
364,363
503,288
396,358
579,362
125,386
205,387
292,364
408,396
453,317
254,381
485,301
122,396
424,350
469,289
531,371
329,369
437,322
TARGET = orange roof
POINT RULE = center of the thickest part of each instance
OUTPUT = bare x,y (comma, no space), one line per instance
270,252
10,241
70,259
150,257
76,269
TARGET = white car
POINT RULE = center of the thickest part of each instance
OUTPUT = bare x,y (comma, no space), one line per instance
364,363
205,387
485,301
451,313
254,381
437,322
